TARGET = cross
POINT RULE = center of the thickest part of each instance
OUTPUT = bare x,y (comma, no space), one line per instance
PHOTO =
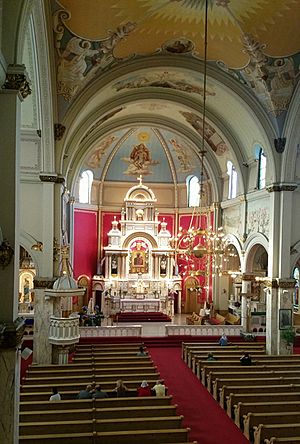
140,178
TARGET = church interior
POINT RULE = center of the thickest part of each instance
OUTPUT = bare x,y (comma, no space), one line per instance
150,171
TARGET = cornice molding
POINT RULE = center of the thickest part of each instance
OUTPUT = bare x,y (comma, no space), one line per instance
281,186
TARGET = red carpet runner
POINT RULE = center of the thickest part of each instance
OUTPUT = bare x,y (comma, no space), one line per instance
208,421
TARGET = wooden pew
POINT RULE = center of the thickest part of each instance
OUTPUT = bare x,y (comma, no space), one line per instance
103,413
95,376
242,374
290,440
233,399
226,390
254,419
186,345
186,349
206,369
126,437
267,431
222,356
218,383
143,436
243,408
97,403
100,425
250,383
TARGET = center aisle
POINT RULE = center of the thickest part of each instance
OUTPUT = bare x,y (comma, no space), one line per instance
209,422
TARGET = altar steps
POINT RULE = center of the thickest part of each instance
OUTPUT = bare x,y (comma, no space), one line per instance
142,317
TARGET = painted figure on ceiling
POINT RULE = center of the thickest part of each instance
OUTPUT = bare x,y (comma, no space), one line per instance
139,161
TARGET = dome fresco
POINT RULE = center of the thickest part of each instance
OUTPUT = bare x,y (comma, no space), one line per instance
158,155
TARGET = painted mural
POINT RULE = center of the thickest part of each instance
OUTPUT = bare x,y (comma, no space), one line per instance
140,152
95,159
163,79
211,136
230,217
139,161
258,220
183,156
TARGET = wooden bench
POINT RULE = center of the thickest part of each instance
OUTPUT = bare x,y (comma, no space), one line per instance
267,431
233,399
290,440
97,403
121,437
186,345
94,376
220,355
254,419
215,347
103,413
243,408
100,425
218,383
225,390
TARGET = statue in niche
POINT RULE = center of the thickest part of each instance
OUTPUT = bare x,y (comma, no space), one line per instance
114,264
163,265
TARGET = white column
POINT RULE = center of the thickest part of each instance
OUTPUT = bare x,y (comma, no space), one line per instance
10,101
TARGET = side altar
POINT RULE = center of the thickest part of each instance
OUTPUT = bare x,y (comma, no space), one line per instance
138,269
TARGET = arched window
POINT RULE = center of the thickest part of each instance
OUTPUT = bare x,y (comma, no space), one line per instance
262,167
232,186
296,276
85,186
193,190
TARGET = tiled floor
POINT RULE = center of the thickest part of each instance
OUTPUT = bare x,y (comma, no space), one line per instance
158,328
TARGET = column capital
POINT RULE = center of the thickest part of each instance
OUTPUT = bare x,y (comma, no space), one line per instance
52,177
248,277
43,282
59,131
17,79
11,333
279,283
281,186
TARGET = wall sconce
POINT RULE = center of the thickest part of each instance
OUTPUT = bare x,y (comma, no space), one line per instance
38,246
6,252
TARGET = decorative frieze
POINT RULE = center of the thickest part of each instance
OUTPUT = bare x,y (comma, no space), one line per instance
11,333
17,79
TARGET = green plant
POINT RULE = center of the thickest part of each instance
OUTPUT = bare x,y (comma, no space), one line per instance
288,335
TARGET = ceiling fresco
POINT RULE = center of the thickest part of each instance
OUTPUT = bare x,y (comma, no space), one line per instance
154,22
158,155
256,42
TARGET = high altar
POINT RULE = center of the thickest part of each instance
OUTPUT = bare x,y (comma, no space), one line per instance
138,270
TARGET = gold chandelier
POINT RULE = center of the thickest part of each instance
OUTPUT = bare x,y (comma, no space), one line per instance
201,249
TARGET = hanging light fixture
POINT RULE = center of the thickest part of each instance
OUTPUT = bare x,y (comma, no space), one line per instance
201,249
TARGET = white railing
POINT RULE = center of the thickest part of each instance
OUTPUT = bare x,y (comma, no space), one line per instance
203,330
115,330
64,331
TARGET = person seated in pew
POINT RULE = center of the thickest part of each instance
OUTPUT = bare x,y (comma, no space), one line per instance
55,395
159,388
141,351
223,340
210,357
246,359
120,389
99,393
87,393
144,389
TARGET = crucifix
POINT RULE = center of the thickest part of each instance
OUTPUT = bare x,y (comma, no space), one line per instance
140,178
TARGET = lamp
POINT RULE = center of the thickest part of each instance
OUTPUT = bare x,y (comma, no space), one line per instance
201,248
38,246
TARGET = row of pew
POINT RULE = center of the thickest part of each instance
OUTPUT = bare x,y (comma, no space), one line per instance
124,420
263,399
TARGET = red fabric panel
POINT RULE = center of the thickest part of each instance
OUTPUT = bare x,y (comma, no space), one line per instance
85,243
